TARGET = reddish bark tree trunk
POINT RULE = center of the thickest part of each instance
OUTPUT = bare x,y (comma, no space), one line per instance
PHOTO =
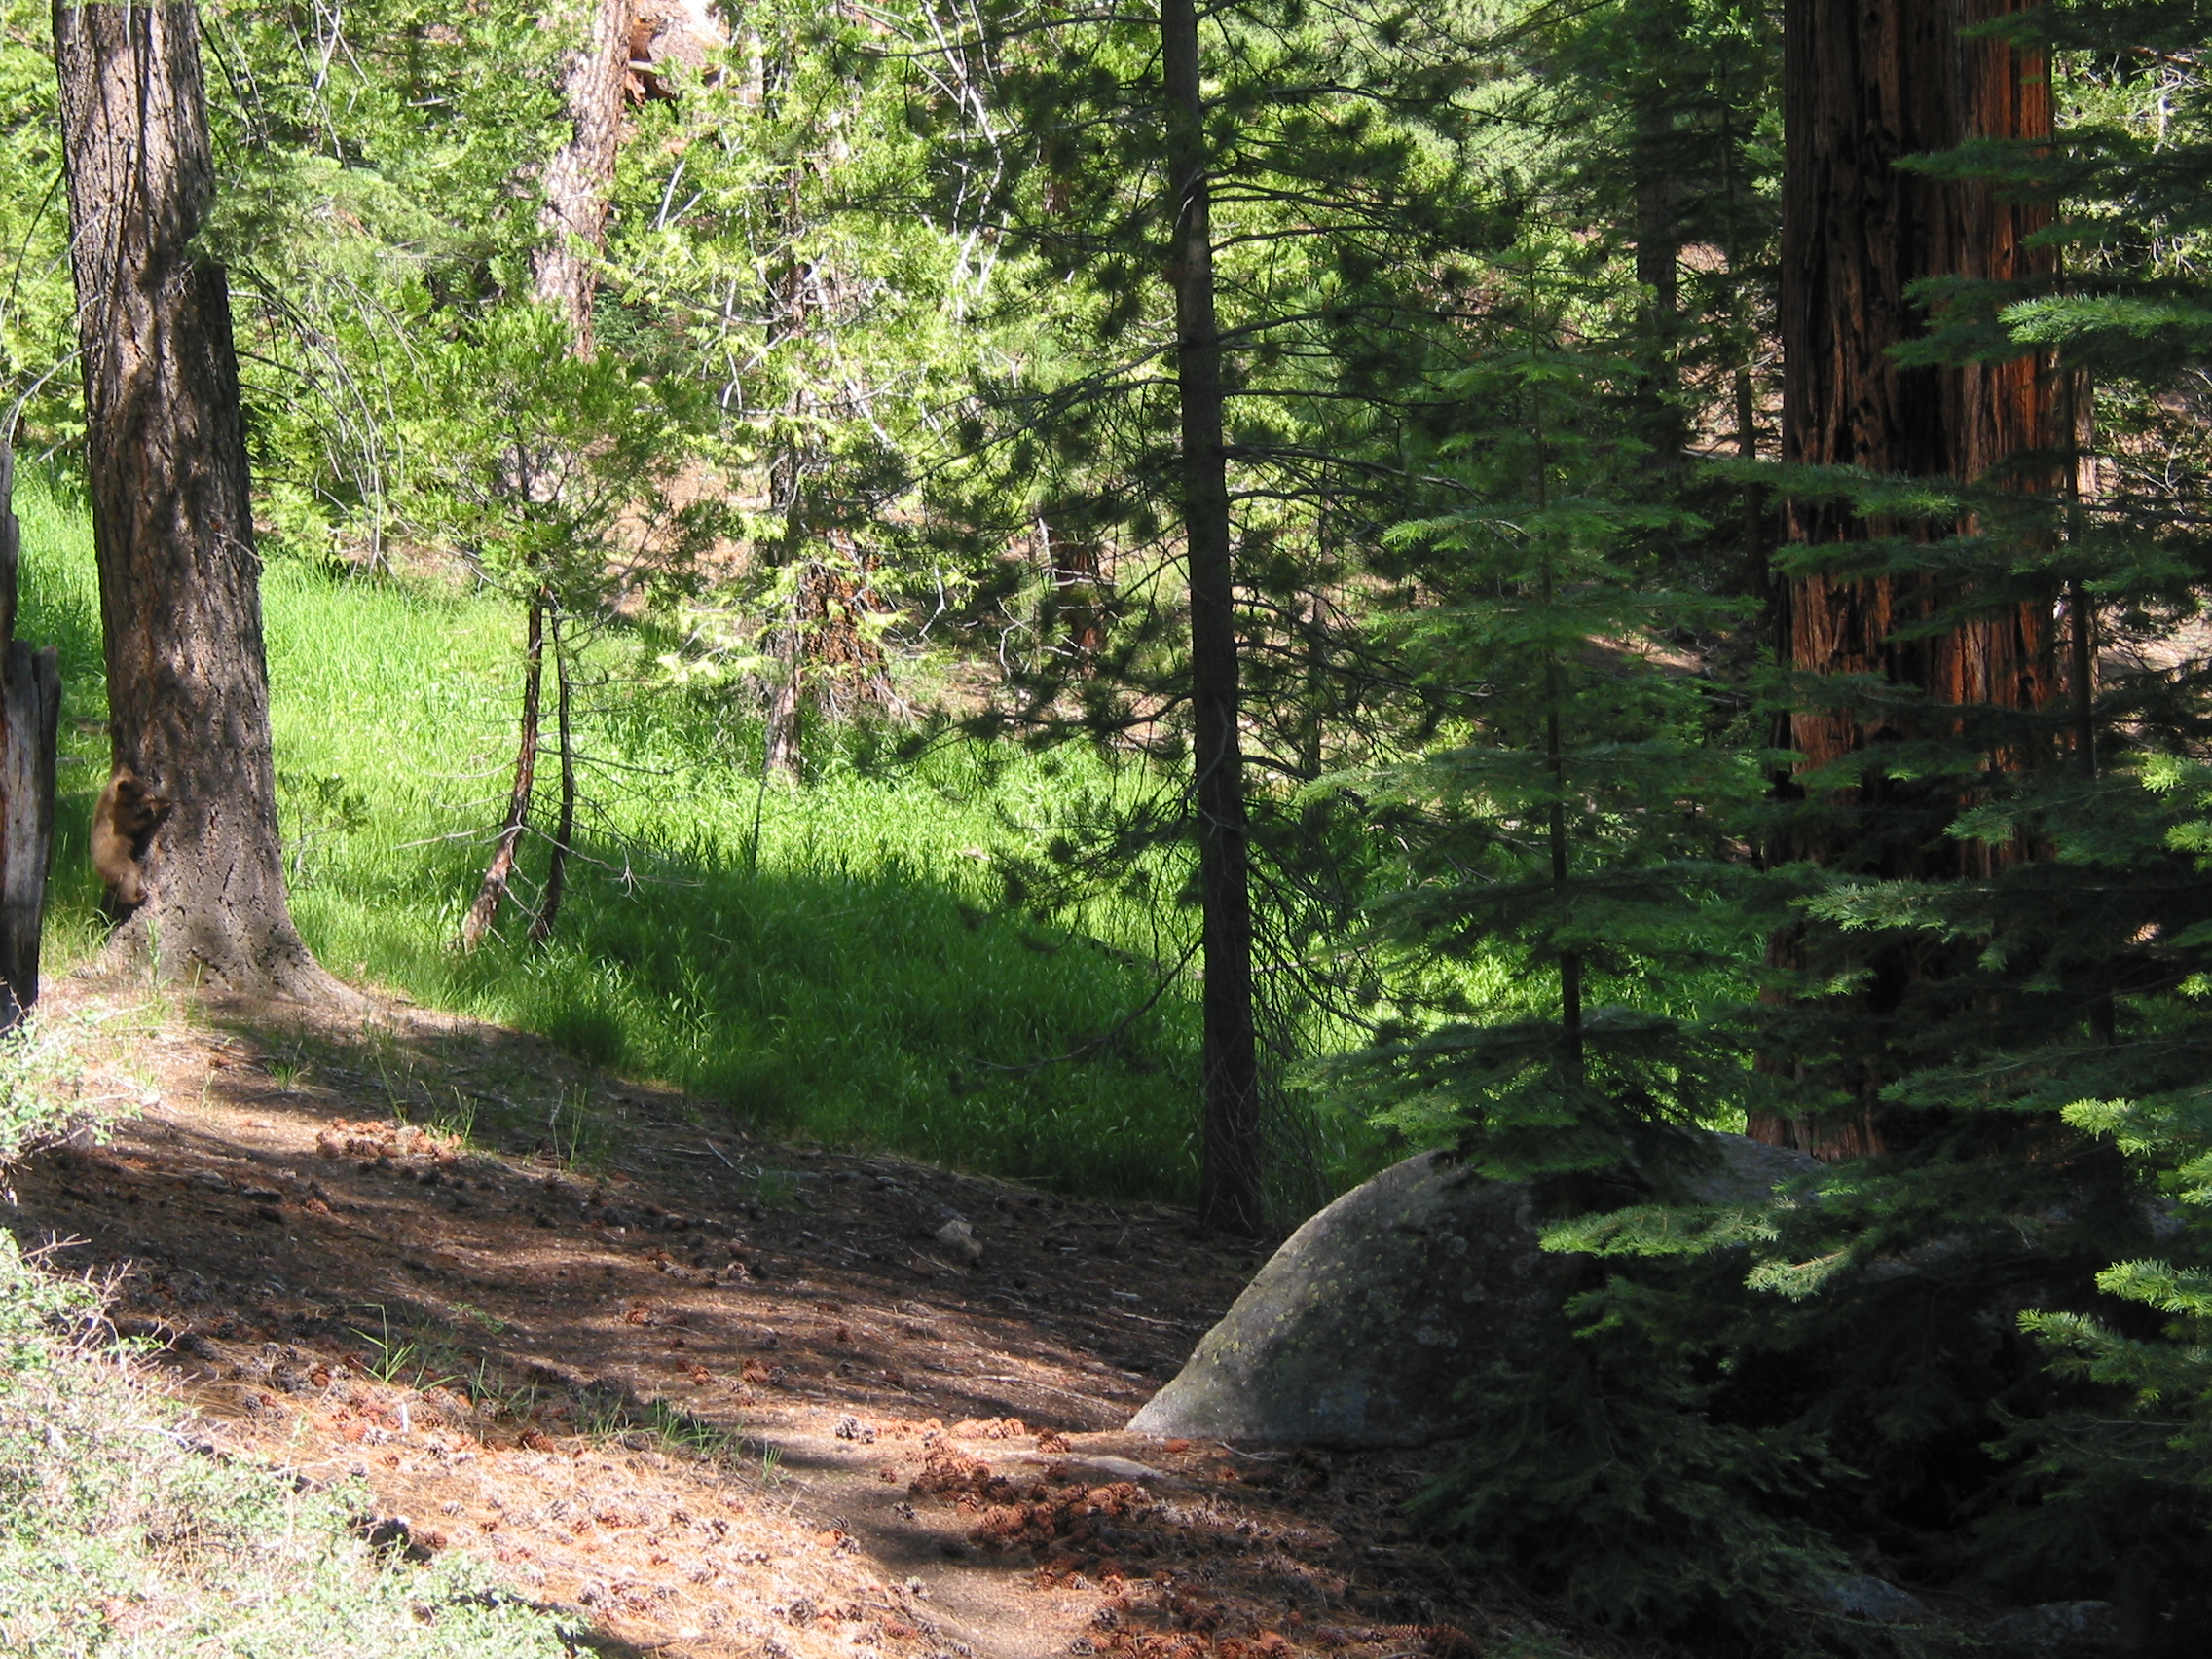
172,524
1230,1189
1079,578
579,175
1867,82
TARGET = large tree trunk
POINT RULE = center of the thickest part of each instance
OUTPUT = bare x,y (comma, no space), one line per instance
1231,1190
578,176
1867,82
180,603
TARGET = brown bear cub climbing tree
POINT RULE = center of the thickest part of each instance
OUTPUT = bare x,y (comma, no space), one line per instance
122,823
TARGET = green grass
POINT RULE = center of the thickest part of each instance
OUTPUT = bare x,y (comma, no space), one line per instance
858,977
121,1535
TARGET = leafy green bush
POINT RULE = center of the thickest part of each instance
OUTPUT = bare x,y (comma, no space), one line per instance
2120,1494
39,1086
1599,1482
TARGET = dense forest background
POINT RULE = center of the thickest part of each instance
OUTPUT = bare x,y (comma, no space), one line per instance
1186,603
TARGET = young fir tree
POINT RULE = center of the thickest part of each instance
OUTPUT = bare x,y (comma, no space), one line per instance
1994,972
2049,1058
1570,829
1574,889
1674,117
764,244
554,472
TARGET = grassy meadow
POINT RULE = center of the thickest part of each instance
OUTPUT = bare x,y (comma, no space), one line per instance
844,967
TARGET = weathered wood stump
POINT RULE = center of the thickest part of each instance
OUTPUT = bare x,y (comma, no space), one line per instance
30,715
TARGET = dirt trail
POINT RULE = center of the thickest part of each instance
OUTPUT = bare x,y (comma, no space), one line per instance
723,1396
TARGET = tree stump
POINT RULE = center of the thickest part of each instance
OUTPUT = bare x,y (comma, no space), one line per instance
30,715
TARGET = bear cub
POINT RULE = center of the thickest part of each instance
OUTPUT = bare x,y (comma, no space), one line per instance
122,823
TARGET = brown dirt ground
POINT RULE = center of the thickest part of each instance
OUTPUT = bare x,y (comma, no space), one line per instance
720,1395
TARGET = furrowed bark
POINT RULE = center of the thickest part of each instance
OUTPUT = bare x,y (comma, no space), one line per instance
1231,1182
1074,566
172,524
1866,83
574,219
497,875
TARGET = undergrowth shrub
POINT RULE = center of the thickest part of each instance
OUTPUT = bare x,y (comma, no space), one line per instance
1608,1477
41,1084
2119,1493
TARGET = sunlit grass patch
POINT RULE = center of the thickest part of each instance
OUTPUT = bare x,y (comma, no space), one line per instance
837,959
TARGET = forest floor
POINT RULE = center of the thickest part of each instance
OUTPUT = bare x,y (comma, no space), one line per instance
715,1394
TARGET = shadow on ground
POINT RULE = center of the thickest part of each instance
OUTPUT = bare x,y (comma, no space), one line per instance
723,1396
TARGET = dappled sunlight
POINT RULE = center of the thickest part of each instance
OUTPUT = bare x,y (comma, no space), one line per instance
711,1387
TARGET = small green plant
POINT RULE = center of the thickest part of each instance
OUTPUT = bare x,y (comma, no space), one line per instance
582,1136
41,1084
497,1396
490,1323
399,1360
316,809
771,1189
601,1414
457,1121
394,1071
677,1430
